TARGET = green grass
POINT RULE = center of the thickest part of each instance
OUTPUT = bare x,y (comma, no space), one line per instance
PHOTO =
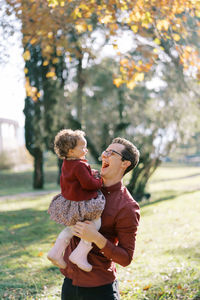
21,182
166,264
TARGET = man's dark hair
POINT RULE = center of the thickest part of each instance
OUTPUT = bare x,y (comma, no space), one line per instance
130,152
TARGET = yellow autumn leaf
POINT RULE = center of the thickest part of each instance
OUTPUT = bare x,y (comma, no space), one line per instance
40,254
53,3
147,287
131,84
27,55
34,98
134,28
48,49
50,35
55,60
59,52
179,286
50,74
188,49
124,62
162,25
139,76
157,41
117,82
77,13
197,13
81,28
107,19
25,71
45,63
33,41
176,37
90,27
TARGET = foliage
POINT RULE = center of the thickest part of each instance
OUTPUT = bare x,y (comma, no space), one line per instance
164,47
149,116
43,107
166,262
8,30
151,24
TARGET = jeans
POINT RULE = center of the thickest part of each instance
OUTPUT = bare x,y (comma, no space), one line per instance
104,292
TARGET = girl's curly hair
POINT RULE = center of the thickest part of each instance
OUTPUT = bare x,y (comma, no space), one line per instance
66,139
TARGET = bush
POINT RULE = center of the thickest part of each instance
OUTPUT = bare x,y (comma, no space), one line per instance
5,161
16,157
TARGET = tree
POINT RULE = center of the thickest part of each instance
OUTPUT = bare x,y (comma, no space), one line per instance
148,21
43,107
164,46
149,116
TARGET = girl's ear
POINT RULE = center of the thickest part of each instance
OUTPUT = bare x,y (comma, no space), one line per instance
70,152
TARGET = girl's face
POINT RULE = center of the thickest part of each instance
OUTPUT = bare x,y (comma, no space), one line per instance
80,150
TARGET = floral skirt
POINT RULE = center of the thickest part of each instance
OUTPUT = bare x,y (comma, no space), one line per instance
68,212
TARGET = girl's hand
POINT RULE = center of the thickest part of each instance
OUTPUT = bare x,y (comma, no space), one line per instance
96,174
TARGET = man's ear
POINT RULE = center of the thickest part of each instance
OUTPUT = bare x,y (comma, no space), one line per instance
126,164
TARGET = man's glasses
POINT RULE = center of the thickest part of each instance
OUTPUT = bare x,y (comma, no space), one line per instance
108,153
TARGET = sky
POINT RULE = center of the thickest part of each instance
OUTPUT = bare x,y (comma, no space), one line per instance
12,85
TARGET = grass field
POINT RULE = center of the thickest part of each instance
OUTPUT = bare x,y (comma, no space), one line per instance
21,182
166,264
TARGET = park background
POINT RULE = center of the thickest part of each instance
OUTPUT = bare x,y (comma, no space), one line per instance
112,68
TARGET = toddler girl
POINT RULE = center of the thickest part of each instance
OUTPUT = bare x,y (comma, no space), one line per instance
80,197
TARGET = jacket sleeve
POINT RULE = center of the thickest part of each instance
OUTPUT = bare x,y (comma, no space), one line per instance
126,227
86,179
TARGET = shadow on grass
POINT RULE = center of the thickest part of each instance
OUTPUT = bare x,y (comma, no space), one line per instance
26,226
177,178
32,286
171,195
23,234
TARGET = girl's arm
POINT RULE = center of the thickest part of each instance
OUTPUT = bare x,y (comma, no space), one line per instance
86,179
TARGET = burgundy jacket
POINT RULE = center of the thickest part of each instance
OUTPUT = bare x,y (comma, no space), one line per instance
119,223
77,182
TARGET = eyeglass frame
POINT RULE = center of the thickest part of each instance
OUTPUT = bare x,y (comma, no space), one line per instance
113,151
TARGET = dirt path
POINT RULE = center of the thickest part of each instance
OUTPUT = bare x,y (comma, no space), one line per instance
29,194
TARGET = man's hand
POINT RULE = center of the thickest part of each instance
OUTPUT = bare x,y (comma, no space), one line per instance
87,231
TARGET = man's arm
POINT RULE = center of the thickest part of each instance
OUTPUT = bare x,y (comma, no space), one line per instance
126,228
87,231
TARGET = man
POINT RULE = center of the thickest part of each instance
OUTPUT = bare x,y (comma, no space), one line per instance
115,241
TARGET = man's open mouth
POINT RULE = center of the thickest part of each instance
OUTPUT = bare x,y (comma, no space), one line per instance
105,165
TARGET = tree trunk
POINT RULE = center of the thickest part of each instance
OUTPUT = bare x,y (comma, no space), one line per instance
140,177
80,91
38,176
